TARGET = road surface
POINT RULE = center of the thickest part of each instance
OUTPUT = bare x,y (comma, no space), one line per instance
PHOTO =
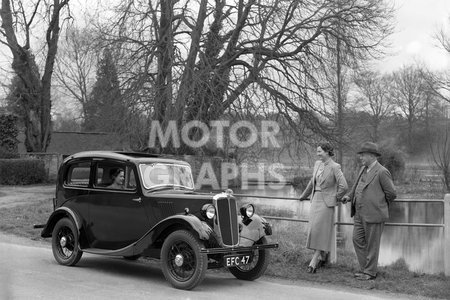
28,271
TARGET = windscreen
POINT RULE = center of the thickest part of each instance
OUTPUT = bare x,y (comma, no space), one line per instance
166,175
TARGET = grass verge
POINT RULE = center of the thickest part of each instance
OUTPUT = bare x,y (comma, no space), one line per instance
292,258
19,220
289,261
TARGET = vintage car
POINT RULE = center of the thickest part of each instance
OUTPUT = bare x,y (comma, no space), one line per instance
154,212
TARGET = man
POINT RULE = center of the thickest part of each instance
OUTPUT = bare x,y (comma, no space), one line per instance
370,197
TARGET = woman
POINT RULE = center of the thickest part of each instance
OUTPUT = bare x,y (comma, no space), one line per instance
118,178
326,187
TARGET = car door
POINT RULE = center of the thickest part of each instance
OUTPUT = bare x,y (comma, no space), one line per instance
73,190
117,217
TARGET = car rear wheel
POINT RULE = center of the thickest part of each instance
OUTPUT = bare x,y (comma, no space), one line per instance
257,267
65,245
182,263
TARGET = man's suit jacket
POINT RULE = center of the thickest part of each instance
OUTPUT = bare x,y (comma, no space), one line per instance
332,184
377,193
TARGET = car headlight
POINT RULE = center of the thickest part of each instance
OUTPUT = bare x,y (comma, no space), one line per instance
247,211
209,211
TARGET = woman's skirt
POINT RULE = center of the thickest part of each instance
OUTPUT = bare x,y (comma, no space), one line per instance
320,225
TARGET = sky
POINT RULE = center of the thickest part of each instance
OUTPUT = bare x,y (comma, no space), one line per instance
416,23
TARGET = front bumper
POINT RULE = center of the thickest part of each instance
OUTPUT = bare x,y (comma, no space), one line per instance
237,249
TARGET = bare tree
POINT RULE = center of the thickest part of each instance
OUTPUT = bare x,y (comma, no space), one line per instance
76,65
202,57
440,151
375,97
18,19
439,82
410,88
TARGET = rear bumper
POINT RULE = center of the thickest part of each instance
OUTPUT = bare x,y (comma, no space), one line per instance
238,249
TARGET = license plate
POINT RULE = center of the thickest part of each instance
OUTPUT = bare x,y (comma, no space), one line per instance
237,260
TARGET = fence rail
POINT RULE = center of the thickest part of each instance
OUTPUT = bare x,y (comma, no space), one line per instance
445,225
348,223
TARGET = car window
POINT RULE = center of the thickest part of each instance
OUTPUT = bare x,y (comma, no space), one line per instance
158,175
130,179
106,172
78,174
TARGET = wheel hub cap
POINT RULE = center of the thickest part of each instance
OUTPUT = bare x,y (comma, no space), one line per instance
179,260
63,241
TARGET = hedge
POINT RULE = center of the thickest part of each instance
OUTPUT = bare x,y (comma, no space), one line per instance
8,136
22,171
8,154
393,160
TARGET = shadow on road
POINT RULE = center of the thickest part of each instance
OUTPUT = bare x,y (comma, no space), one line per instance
144,269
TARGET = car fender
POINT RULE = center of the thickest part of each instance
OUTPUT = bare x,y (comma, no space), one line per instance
200,227
58,214
252,231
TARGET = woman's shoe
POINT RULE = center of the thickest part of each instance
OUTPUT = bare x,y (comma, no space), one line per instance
323,261
311,269
320,264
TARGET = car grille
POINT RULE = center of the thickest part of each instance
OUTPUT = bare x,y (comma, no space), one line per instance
227,220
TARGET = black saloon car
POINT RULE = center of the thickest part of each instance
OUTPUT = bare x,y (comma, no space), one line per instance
134,204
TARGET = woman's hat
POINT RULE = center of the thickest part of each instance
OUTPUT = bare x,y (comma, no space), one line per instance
369,147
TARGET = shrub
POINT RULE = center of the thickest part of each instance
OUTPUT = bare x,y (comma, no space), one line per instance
8,136
393,161
300,182
400,265
21,171
351,167
8,154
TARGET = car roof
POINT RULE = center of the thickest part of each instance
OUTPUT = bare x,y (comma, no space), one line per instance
136,157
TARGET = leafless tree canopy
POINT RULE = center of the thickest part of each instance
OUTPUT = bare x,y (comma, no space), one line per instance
410,92
76,64
375,97
192,60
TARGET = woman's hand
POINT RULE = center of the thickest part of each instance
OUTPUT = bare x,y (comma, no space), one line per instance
345,199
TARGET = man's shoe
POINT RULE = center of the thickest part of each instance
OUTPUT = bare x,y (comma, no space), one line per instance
359,274
366,277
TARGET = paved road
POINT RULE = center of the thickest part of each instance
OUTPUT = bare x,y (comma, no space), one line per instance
30,272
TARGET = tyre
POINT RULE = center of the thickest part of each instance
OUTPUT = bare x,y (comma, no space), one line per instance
257,267
65,243
183,265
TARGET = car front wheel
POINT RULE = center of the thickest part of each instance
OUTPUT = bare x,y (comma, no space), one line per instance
182,263
65,243
256,267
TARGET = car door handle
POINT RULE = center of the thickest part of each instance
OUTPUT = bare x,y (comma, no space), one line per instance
137,199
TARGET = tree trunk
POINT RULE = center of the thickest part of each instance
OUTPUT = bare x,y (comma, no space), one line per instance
376,125
165,54
36,101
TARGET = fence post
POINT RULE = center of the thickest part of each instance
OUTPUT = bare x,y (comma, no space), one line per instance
333,251
447,234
